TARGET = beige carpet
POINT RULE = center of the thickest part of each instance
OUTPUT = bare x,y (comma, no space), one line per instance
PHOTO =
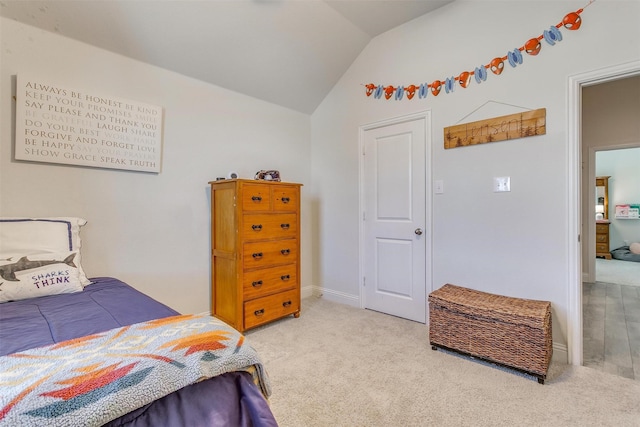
342,366
618,272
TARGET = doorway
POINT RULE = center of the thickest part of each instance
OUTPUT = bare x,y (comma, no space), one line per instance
395,204
576,235
611,289
620,164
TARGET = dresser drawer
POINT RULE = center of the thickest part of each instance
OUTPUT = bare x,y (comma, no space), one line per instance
602,238
602,228
269,226
267,281
267,254
602,248
256,197
285,198
269,308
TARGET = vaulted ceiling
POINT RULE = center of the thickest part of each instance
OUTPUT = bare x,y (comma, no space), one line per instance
286,52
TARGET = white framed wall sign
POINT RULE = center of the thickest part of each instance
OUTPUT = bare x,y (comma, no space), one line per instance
56,124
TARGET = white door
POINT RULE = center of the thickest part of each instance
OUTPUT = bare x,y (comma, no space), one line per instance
395,231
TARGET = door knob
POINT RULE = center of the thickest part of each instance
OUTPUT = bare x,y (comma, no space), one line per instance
418,231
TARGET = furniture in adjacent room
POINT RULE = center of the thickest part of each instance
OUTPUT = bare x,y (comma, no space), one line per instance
602,239
602,217
255,257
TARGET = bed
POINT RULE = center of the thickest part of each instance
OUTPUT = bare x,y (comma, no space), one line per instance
107,354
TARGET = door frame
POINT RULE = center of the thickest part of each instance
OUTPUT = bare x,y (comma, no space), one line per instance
574,188
428,227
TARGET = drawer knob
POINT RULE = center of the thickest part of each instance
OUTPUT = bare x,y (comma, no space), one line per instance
257,227
286,303
285,252
257,283
285,200
257,255
284,226
256,198
259,312
285,277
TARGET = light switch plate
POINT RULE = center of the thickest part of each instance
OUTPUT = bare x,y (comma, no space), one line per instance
501,183
439,186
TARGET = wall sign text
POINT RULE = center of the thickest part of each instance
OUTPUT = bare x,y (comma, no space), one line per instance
55,124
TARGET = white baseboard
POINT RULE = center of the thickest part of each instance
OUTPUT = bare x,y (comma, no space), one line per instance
335,296
307,291
560,353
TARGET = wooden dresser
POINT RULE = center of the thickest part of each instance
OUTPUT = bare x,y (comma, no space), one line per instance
602,225
602,239
255,241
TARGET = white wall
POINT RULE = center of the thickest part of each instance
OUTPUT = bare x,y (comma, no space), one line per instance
624,187
509,243
150,230
153,230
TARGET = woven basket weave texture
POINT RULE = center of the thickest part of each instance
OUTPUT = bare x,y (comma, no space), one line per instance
511,331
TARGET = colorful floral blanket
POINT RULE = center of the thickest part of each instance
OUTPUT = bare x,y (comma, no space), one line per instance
94,379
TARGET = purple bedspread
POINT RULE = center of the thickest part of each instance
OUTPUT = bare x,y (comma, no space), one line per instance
231,399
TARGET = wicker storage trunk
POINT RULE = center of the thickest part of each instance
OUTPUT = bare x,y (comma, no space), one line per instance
508,331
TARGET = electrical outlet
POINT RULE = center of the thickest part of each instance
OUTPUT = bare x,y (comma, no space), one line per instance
501,183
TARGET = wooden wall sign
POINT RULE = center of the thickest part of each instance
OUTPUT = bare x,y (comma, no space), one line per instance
512,126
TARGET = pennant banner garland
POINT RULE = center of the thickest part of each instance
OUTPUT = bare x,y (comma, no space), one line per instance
571,21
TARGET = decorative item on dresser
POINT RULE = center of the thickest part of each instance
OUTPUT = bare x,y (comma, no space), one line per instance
255,257
602,217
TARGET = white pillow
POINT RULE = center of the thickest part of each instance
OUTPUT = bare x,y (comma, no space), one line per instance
35,275
38,235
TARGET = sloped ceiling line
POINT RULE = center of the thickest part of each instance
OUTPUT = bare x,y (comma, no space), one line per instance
286,52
